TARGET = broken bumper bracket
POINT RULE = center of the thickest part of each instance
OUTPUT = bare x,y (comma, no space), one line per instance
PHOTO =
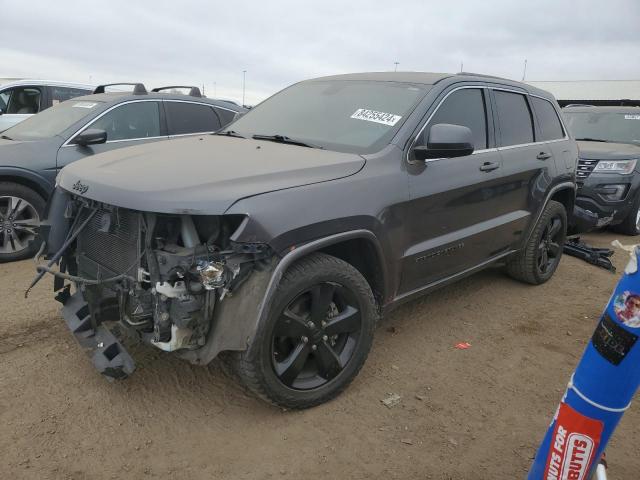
108,355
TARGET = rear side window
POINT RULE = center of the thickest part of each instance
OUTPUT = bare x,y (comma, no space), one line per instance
185,118
465,107
60,94
131,121
550,125
514,116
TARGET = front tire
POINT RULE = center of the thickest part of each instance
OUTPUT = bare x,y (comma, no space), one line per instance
20,212
316,337
540,258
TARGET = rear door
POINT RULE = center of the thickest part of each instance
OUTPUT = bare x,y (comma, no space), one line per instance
190,118
451,214
526,162
129,123
554,135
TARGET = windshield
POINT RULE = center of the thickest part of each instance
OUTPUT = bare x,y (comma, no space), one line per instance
52,121
346,116
608,126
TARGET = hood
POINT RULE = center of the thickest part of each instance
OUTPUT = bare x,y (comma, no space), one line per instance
201,175
608,150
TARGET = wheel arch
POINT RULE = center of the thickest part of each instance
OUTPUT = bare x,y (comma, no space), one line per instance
35,183
360,248
566,196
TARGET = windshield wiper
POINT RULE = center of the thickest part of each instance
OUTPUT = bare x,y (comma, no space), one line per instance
285,139
587,139
5,137
230,133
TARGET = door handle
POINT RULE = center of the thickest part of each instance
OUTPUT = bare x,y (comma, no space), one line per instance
489,166
543,156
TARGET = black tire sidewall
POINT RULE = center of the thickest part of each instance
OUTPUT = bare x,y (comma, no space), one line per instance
291,286
552,209
26,193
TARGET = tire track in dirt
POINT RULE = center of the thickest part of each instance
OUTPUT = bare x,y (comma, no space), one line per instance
32,334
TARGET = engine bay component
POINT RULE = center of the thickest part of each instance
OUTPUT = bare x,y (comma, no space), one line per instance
211,274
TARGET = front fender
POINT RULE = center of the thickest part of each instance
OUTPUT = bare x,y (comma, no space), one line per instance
40,183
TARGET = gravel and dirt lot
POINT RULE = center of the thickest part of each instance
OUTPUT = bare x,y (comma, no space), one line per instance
463,414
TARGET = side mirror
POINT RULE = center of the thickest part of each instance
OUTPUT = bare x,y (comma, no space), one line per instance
91,136
446,141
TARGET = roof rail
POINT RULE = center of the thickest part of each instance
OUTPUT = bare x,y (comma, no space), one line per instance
484,75
193,91
578,105
138,88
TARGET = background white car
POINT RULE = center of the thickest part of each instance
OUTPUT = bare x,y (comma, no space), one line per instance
21,99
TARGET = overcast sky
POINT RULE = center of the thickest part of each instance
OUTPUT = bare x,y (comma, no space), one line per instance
281,42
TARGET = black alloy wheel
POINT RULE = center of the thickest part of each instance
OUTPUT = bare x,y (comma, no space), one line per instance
315,336
550,247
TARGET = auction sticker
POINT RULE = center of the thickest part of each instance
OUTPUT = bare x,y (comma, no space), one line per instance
377,117
574,444
632,117
84,104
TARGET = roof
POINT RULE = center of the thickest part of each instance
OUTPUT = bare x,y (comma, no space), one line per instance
591,89
592,109
430,78
425,78
53,83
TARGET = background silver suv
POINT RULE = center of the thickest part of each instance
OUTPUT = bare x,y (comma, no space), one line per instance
19,100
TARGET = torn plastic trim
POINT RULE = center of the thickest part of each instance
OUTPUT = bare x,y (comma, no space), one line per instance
108,355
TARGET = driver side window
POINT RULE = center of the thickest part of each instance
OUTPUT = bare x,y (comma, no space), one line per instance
130,121
464,107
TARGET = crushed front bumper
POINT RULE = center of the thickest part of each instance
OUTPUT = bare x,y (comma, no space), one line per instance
609,196
108,355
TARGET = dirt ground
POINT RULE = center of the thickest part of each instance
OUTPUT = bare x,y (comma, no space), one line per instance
464,414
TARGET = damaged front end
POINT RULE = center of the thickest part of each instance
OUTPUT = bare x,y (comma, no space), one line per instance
161,276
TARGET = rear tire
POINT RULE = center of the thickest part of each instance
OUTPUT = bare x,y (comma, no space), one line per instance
315,338
20,212
540,258
631,224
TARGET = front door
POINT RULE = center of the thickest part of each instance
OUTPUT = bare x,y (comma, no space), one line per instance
451,216
126,124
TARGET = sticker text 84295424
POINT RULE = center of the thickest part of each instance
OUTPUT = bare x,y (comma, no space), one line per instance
377,117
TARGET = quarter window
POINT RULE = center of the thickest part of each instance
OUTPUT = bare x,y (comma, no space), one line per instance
514,116
131,121
185,118
226,116
550,125
465,107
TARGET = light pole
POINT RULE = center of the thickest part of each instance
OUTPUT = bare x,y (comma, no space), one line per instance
244,82
396,64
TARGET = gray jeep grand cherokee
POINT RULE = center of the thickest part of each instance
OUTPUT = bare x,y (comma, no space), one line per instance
277,243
